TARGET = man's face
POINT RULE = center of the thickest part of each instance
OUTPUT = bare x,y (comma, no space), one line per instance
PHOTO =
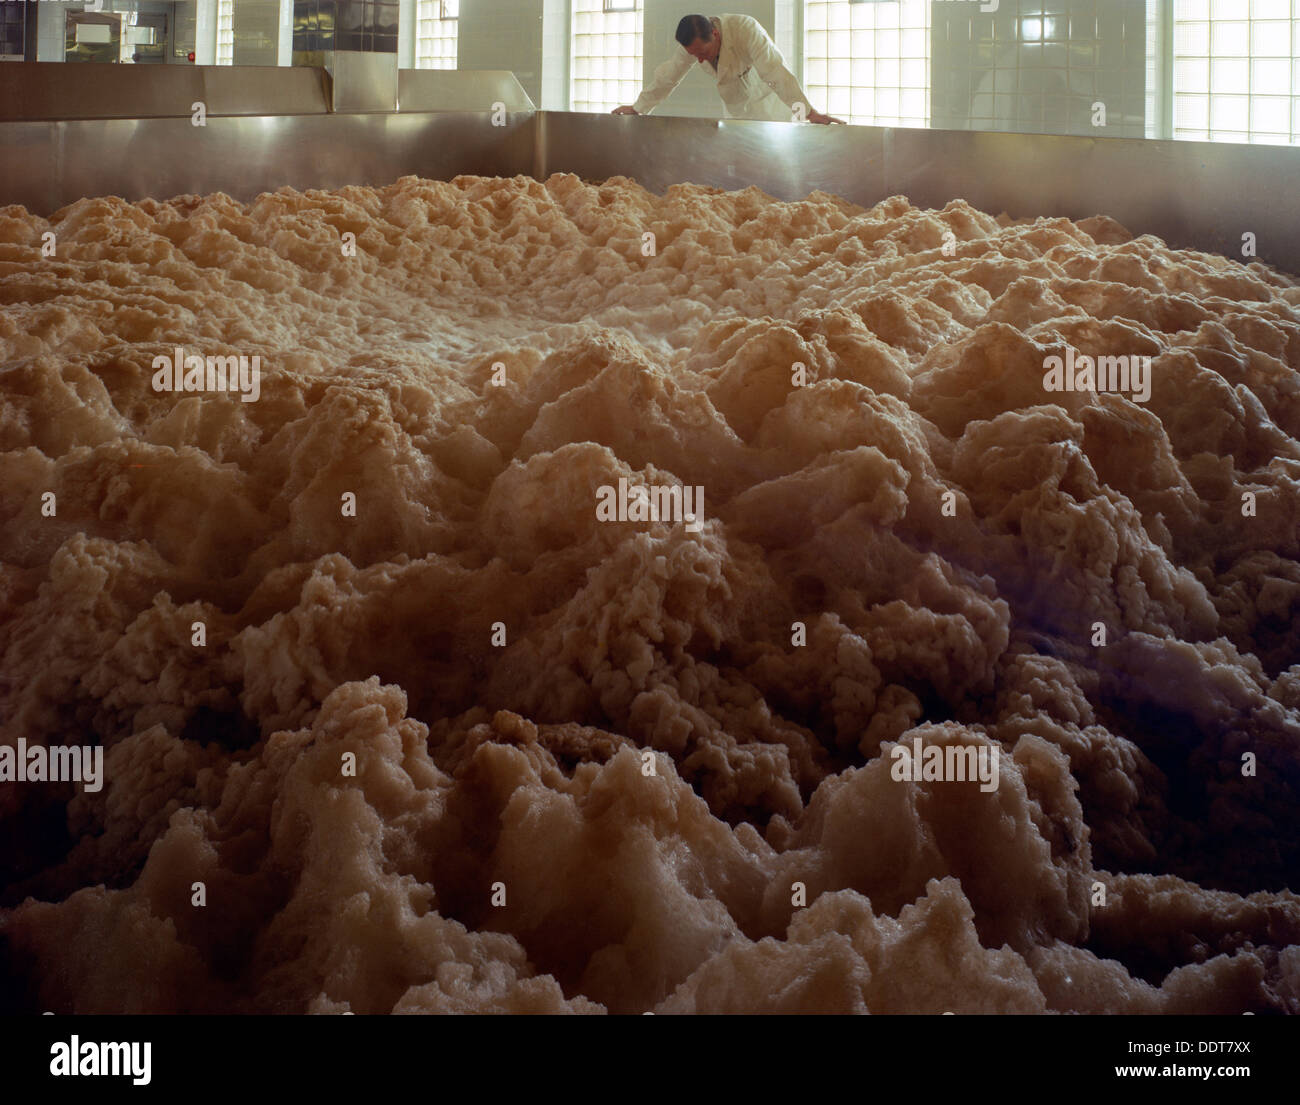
705,49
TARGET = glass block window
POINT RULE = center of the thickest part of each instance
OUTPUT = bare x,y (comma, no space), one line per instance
1236,69
436,34
225,32
605,54
869,62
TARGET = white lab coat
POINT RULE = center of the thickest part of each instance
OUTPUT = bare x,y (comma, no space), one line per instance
752,78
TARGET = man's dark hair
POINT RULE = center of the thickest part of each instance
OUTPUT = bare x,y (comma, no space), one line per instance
692,27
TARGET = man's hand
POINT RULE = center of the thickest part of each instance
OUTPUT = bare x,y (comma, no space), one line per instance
818,117
626,109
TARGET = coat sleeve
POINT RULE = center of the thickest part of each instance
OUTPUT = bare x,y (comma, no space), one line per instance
770,64
667,77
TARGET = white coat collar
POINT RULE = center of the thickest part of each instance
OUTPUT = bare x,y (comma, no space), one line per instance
728,58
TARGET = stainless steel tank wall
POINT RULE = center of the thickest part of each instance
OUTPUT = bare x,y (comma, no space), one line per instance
460,90
1195,195
35,90
784,160
31,91
67,132
1198,195
46,166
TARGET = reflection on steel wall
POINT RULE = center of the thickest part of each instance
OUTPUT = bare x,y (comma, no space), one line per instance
1199,195
460,90
45,166
784,160
39,90
362,80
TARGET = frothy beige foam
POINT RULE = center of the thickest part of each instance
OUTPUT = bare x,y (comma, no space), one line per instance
948,532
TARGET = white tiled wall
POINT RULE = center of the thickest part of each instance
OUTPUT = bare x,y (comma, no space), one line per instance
1041,66
255,27
869,63
503,34
555,52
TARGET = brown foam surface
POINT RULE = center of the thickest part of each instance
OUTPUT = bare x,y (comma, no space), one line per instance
1121,764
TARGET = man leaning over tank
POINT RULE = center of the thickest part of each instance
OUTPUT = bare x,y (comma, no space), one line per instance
738,53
